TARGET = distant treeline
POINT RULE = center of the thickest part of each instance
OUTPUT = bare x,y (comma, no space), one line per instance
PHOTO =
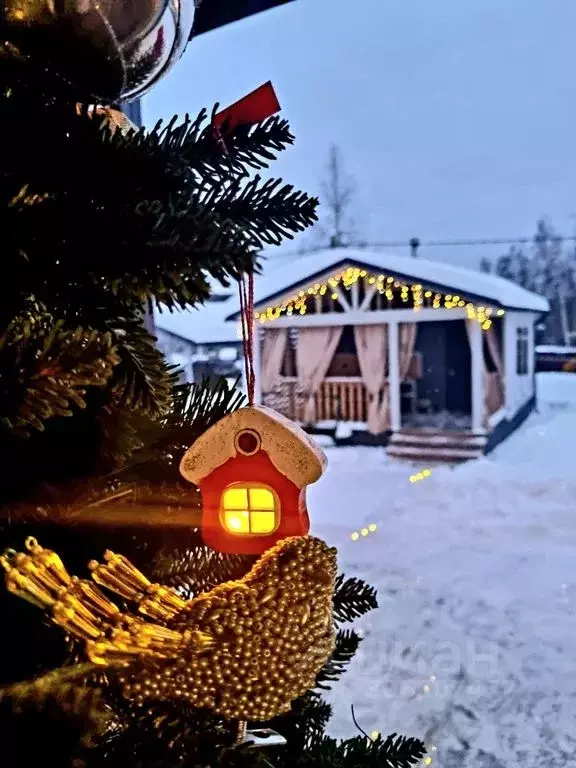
547,266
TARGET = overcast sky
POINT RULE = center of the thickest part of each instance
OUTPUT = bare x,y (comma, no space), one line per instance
456,117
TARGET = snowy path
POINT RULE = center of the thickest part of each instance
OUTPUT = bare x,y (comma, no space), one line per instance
474,644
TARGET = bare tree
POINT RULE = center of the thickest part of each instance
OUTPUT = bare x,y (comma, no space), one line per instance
338,190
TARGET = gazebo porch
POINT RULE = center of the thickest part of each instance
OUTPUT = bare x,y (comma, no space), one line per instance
373,396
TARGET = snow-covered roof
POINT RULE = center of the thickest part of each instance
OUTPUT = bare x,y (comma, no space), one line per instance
205,324
214,322
473,284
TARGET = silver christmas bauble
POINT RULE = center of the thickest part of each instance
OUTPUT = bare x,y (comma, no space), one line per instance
110,50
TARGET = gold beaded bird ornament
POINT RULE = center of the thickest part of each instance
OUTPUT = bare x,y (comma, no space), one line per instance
246,649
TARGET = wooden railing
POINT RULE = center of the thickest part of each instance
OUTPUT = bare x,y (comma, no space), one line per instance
339,399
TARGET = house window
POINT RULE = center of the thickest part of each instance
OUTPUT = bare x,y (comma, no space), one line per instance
522,367
250,510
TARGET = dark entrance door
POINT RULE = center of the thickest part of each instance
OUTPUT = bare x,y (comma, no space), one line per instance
443,392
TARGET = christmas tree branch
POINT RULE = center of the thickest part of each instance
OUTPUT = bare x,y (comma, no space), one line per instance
159,211
142,381
195,568
347,642
51,719
194,140
392,752
145,487
47,369
64,687
352,599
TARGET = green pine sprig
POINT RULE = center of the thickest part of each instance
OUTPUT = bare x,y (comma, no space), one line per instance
346,645
352,599
46,369
391,752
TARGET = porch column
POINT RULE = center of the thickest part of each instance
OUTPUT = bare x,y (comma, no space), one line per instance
477,383
394,377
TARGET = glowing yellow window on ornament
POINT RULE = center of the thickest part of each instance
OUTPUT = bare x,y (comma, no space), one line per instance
250,510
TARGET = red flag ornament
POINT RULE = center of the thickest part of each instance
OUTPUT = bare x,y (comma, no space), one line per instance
251,109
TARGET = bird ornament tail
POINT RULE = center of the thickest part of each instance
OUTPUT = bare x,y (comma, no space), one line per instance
84,612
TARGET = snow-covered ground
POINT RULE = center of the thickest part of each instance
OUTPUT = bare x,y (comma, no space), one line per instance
473,647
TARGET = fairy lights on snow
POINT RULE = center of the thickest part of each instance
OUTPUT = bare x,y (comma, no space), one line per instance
418,476
372,528
428,760
384,285
431,749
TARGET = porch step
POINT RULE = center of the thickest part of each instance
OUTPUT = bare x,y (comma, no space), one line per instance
457,439
431,454
435,447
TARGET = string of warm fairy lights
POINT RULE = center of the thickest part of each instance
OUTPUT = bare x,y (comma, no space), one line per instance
418,476
372,528
385,285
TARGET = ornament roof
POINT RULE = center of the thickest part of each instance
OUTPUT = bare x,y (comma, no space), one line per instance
289,448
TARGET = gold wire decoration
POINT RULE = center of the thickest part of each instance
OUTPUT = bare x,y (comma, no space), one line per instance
246,649
84,612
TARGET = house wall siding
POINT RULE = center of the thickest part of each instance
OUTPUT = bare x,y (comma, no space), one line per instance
519,389
209,357
177,352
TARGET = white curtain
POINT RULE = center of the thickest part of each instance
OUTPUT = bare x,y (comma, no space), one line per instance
273,351
493,380
372,350
314,353
407,340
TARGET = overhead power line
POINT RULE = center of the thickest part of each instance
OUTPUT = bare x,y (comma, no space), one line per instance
415,244
463,242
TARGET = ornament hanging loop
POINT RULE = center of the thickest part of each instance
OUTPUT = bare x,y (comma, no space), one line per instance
246,291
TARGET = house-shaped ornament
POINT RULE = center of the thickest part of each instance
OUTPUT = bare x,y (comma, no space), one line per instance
252,468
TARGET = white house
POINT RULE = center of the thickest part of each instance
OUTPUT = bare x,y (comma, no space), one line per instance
200,341
433,360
